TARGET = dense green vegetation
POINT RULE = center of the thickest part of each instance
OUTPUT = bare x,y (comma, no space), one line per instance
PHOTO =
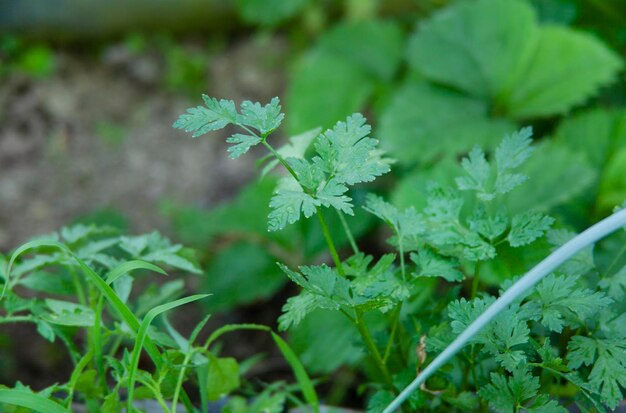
421,222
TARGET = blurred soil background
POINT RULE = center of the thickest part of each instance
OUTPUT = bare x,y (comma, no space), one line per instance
86,136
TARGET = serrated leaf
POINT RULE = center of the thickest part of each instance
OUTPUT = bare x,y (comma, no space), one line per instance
489,226
348,154
565,304
506,394
333,195
241,144
204,119
478,169
433,265
404,224
508,330
288,203
527,227
608,357
264,119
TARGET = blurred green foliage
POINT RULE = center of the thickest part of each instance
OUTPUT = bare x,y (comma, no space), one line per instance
31,59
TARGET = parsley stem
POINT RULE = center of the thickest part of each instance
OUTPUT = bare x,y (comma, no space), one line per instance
280,159
331,244
346,228
394,327
373,350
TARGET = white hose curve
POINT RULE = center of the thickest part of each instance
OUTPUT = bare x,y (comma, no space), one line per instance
532,277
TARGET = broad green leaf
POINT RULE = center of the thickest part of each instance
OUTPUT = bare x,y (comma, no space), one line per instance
612,191
324,353
556,175
312,98
239,275
269,12
422,122
566,69
477,47
374,45
69,314
49,282
222,377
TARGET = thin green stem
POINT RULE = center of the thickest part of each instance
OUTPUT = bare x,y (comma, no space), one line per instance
346,228
331,244
17,319
96,344
181,377
401,251
80,366
280,159
394,327
373,350
80,293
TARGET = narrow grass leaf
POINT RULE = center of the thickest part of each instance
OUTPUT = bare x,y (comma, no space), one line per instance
308,390
31,401
142,334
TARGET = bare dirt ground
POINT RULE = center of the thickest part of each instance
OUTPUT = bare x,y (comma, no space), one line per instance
56,165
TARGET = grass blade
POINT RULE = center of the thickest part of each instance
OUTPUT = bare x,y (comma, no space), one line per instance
308,390
31,401
129,266
142,334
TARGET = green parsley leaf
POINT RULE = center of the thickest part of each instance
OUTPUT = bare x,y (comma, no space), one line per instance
505,394
433,265
527,227
217,114
608,357
347,153
565,304
242,143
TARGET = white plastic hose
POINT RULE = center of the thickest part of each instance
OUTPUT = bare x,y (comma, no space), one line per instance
532,277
